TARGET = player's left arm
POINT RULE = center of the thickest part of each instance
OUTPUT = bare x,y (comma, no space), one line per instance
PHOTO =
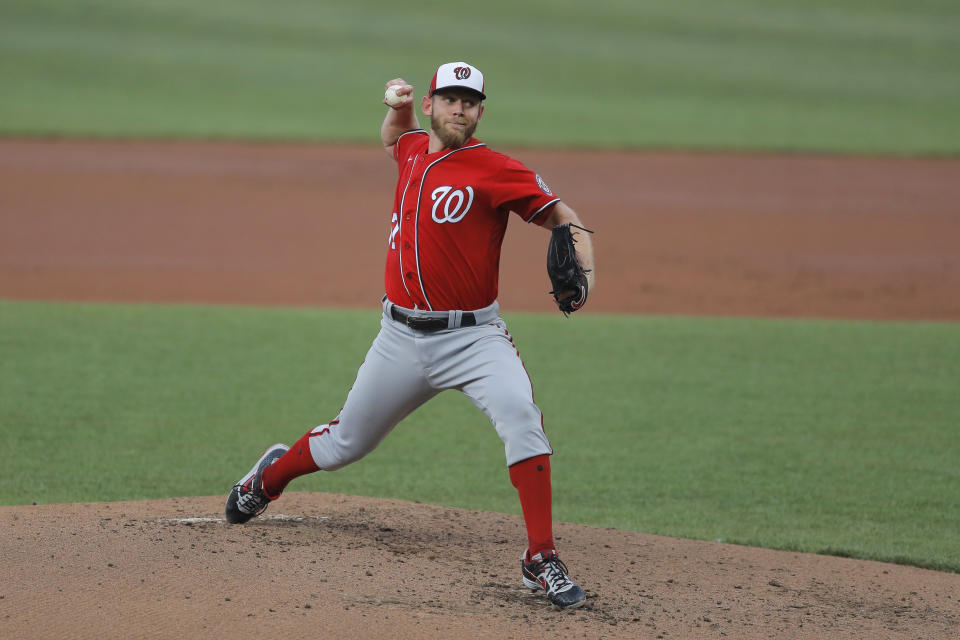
560,213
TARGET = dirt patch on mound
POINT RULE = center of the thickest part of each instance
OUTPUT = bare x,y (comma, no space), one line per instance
333,566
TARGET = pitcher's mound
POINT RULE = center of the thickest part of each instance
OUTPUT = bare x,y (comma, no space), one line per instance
334,566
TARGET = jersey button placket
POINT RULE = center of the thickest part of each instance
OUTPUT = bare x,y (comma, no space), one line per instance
407,234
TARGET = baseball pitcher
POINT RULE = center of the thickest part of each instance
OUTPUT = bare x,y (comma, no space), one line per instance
441,327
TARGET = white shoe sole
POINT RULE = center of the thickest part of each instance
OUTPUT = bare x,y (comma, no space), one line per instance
233,512
256,465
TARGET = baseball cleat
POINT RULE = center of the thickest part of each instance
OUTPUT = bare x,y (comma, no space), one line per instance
247,499
546,571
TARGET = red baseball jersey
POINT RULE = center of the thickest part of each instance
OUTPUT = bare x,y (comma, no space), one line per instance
450,213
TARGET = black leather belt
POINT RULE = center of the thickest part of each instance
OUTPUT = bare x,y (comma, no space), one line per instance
424,323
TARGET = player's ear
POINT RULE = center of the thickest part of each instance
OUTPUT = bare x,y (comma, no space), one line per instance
426,104
480,113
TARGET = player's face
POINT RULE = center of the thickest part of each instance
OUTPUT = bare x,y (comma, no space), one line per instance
453,116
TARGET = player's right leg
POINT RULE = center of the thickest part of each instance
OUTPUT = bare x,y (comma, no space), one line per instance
389,386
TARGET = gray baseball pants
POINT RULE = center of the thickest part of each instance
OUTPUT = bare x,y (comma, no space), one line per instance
405,368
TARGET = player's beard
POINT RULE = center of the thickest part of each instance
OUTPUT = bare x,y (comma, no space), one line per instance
452,139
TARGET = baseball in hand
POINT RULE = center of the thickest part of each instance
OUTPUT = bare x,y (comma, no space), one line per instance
391,97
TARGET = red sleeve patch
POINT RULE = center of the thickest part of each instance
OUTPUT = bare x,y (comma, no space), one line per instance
543,185
523,191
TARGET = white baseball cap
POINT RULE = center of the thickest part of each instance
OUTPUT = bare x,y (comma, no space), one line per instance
460,75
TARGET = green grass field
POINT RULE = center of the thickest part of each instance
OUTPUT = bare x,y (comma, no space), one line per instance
860,76
837,437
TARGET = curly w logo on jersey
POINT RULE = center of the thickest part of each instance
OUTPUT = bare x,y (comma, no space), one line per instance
452,200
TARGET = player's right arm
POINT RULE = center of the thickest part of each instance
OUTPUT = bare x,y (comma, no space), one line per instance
399,119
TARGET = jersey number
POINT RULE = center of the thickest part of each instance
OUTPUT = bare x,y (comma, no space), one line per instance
455,204
394,229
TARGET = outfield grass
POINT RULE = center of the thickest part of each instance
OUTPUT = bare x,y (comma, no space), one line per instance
837,437
870,76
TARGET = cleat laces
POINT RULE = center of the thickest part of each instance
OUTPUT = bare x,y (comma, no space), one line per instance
251,501
555,573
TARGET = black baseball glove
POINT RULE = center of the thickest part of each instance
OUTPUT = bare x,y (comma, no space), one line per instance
566,274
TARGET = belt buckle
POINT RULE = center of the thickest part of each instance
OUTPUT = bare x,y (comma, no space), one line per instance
419,323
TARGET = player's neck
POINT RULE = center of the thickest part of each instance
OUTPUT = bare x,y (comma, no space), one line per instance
437,145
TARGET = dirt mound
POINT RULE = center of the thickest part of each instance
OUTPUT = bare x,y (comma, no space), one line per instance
334,566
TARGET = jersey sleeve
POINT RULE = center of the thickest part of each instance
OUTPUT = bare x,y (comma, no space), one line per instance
524,192
408,141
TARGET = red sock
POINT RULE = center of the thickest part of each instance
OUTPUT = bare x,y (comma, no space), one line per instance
532,480
294,463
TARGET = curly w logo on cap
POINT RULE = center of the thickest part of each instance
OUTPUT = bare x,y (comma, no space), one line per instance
459,75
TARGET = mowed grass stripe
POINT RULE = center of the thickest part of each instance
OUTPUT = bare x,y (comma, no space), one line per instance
844,75
837,437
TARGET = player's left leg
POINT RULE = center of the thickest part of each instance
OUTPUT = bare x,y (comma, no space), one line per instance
531,479
540,565
494,378
487,368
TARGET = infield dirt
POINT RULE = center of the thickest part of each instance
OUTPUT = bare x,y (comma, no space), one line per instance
797,236
715,234
332,566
